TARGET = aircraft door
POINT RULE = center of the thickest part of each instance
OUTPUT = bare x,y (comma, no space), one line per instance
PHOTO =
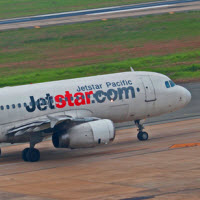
150,94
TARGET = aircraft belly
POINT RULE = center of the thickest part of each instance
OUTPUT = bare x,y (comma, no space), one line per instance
119,113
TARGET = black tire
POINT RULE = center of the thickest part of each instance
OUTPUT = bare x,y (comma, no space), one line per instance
139,136
142,136
24,152
33,155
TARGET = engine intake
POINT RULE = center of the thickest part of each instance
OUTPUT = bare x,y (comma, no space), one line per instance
85,135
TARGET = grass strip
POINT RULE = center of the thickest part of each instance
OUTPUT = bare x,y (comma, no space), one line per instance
40,44
175,66
25,53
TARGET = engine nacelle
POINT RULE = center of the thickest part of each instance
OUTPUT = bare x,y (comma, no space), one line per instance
85,135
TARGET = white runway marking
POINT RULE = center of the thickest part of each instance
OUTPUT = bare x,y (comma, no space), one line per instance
62,13
10,164
128,10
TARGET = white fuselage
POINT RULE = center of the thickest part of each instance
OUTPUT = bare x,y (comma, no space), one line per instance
119,97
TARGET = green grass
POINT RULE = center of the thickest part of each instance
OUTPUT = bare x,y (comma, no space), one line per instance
171,65
20,8
40,44
69,51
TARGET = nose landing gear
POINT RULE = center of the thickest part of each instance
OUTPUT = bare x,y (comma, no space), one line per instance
142,136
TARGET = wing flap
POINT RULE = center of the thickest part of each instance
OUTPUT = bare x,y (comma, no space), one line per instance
54,120
49,122
29,126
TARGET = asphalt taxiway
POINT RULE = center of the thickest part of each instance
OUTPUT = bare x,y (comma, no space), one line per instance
164,167
167,166
100,13
124,169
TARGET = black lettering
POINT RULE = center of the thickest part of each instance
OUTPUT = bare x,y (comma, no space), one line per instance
32,106
99,94
79,89
130,82
110,95
41,104
126,91
49,99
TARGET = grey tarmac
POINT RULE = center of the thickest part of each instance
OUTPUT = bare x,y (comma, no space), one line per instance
124,169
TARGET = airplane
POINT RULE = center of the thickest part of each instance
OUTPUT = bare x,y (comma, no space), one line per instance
79,113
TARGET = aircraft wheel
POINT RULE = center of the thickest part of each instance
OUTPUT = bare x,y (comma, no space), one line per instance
31,155
24,152
142,136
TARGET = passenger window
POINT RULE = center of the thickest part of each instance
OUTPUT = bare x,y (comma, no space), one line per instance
13,106
19,105
167,84
138,89
2,108
8,107
25,105
172,83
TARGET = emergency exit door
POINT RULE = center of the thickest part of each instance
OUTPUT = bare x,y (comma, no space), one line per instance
150,94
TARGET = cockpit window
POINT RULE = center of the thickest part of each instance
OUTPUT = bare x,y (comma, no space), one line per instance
172,83
167,84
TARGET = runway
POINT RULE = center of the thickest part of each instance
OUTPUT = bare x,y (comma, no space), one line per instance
100,13
124,169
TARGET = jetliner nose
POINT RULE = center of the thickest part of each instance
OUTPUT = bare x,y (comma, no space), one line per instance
186,96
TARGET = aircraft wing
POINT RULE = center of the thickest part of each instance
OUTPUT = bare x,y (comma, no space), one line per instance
48,122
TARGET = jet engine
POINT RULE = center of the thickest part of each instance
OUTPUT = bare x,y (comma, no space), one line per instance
86,135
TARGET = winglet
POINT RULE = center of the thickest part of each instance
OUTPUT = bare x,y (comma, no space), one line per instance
132,69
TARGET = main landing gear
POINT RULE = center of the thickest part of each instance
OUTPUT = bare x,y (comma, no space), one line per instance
31,155
142,136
